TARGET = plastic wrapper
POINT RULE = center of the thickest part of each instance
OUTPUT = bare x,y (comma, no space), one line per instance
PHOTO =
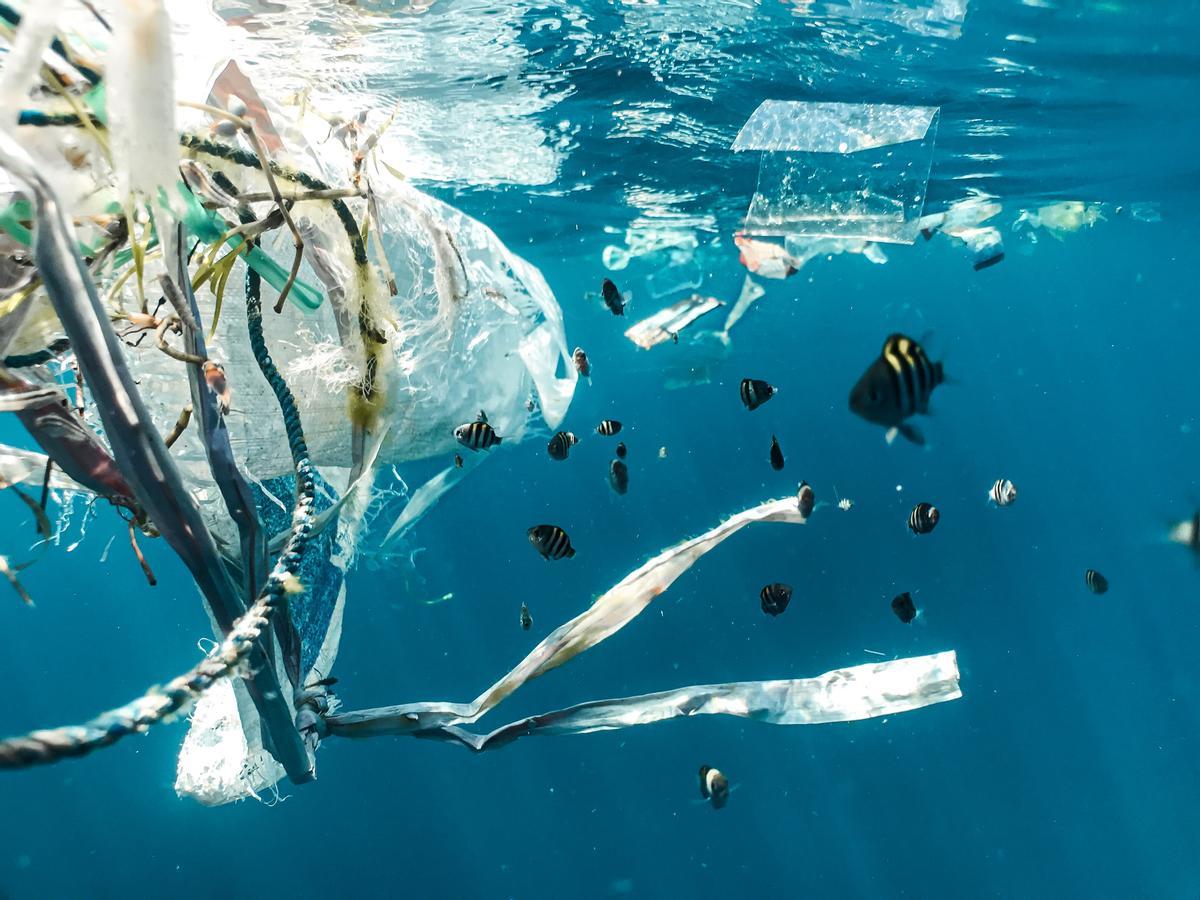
856,693
846,170
666,324
843,695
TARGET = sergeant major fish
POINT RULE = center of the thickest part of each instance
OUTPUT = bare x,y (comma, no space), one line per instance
477,435
1003,492
526,618
774,598
755,392
1096,582
806,499
904,608
776,454
924,518
613,298
560,445
551,542
608,428
714,786
618,476
896,386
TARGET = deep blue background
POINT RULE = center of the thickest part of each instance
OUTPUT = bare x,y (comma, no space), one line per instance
1067,769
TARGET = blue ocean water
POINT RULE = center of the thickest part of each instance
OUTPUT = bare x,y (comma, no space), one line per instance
1067,768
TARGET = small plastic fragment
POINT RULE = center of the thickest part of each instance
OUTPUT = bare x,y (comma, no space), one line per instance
666,324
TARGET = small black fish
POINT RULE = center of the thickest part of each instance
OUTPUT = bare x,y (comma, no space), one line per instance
582,365
621,451
755,392
560,445
776,454
924,518
551,541
612,297
714,786
458,461
618,476
526,618
1003,492
806,498
775,598
895,386
904,608
608,427
477,435
1096,582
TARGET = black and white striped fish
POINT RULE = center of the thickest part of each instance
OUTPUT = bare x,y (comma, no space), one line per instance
608,427
924,518
618,476
1003,492
613,298
714,786
755,392
551,541
897,385
526,618
477,435
806,498
621,450
904,608
560,445
775,598
1096,582
776,454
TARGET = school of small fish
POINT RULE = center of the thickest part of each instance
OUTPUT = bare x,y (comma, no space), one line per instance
895,387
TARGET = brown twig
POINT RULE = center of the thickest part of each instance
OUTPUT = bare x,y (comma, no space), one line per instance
160,341
181,425
146,570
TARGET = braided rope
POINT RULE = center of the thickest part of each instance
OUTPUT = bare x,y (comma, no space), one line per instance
162,704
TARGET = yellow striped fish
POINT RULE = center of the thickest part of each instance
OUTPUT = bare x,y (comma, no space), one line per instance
897,385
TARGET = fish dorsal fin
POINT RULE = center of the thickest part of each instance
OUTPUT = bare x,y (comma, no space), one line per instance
482,417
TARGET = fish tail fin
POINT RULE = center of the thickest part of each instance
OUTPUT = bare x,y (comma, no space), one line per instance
912,434
890,435
499,440
570,552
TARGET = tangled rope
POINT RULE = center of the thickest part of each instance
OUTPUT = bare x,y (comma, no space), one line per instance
162,704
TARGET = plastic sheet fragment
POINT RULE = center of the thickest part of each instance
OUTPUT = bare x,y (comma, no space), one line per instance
611,612
848,170
666,324
843,695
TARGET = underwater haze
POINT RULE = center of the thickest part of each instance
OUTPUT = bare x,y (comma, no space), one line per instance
596,139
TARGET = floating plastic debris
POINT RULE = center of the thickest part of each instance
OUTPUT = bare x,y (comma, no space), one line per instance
1059,219
964,221
666,324
853,170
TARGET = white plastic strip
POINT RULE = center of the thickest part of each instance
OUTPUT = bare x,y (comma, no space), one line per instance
611,612
843,695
